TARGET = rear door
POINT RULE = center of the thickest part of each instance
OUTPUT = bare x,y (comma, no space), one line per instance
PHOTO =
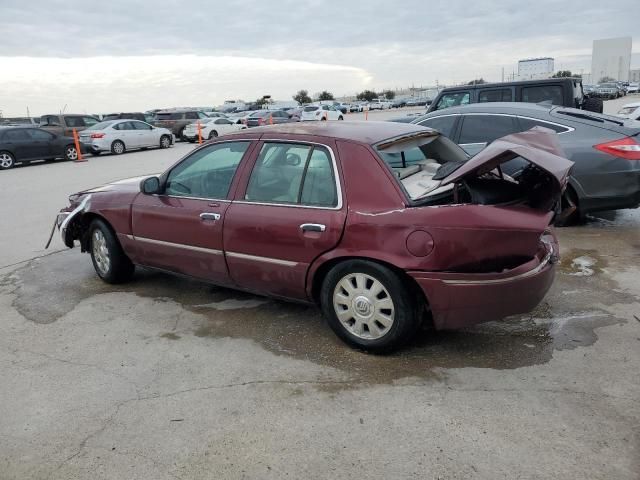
128,134
44,144
181,229
480,129
288,210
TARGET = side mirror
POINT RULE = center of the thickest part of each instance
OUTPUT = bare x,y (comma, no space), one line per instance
150,185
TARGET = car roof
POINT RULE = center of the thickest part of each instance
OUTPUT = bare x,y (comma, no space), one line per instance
369,132
511,107
510,84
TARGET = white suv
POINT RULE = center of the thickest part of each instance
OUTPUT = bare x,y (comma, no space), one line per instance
320,112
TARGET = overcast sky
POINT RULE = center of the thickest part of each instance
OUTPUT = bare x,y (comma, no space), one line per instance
136,55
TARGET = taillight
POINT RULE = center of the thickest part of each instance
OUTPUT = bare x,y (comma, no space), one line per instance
97,135
626,148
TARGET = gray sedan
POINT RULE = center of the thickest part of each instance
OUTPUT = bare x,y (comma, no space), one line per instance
605,149
118,136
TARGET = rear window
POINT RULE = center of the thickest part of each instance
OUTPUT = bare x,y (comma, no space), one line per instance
260,114
543,93
500,95
310,109
101,125
113,116
168,116
528,123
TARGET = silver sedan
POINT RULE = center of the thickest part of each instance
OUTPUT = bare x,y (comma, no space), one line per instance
118,136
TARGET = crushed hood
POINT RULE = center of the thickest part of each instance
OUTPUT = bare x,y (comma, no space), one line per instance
539,146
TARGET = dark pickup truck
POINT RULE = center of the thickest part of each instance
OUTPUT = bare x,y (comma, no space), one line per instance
565,92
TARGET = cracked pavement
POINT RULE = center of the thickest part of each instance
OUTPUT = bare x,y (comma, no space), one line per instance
166,378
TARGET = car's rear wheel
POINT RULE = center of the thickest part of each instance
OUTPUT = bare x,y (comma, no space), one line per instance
70,153
165,141
6,161
109,260
181,135
340,117
213,134
369,306
117,147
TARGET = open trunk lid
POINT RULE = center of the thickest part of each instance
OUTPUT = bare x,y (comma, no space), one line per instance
538,145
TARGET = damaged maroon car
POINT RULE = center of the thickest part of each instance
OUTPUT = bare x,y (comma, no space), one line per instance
383,225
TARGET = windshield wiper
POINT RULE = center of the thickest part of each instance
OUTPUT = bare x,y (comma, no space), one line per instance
589,117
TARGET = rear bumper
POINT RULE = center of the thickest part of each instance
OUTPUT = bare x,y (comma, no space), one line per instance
460,300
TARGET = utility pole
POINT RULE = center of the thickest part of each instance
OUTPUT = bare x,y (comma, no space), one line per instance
503,74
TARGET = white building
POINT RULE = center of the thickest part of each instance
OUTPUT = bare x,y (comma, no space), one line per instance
611,57
532,68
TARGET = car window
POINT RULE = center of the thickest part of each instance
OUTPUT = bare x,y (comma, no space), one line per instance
453,100
500,95
543,93
222,121
201,115
140,126
319,185
293,174
191,115
17,135
51,121
125,126
324,107
41,135
74,121
443,124
527,123
486,128
310,109
88,121
208,172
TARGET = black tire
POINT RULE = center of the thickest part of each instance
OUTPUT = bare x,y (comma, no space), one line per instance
570,205
96,154
165,141
70,153
407,307
340,117
593,105
7,161
181,135
119,268
118,147
212,134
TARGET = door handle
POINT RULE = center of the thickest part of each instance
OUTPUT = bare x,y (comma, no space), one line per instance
209,216
312,227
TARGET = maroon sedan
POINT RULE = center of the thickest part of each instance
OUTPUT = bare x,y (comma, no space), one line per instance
384,225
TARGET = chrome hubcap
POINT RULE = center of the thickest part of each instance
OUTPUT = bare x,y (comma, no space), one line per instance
5,160
363,306
100,252
72,154
118,147
165,142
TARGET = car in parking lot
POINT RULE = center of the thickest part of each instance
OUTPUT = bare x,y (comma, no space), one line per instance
27,144
316,113
566,92
630,110
64,124
267,117
177,120
608,91
119,136
210,128
356,107
605,149
383,225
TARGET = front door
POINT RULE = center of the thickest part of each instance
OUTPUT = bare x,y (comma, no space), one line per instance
290,212
181,229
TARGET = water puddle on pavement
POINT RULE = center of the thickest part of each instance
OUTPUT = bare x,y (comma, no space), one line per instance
47,288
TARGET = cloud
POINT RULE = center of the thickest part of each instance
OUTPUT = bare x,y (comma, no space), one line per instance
104,84
387,44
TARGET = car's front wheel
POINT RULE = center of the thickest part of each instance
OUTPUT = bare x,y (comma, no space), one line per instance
6,161
340,117
109,260
213,134
369,306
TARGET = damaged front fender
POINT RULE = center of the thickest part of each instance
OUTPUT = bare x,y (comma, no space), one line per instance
70,224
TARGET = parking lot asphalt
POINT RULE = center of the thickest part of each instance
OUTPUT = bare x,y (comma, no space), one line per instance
170,378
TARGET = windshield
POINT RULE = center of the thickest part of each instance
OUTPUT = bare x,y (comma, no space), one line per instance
101,125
